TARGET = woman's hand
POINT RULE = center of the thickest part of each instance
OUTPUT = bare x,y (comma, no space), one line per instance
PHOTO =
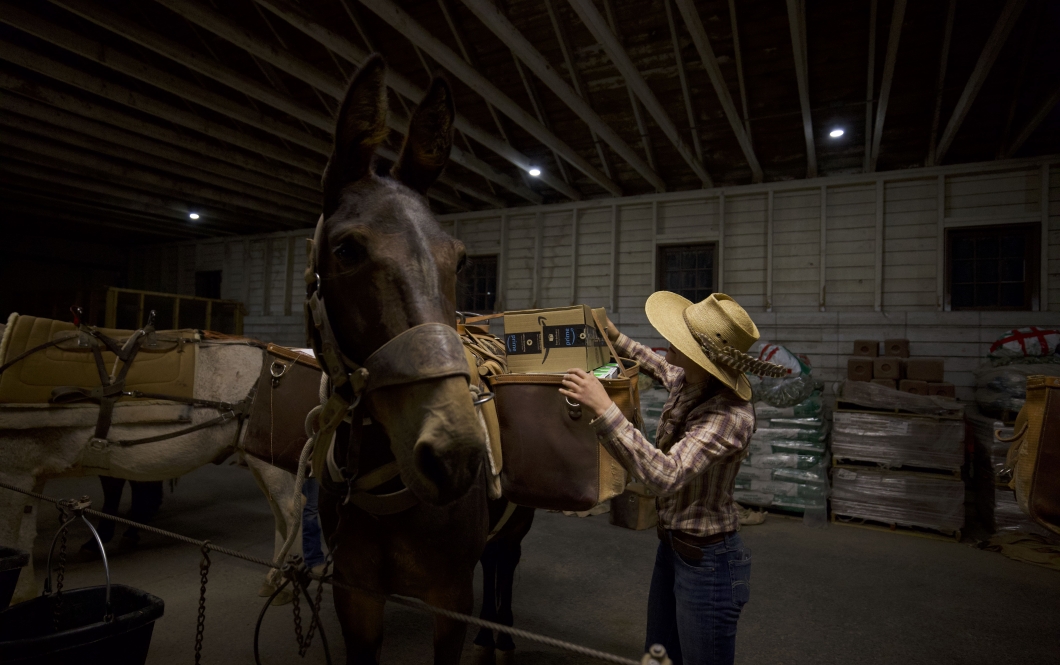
584,388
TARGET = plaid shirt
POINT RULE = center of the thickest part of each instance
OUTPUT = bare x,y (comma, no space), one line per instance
702,437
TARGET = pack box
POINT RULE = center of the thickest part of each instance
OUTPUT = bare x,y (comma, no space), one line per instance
551,341
634,508
913,386
897,348
942,389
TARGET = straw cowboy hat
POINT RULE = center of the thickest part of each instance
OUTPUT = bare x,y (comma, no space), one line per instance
714,333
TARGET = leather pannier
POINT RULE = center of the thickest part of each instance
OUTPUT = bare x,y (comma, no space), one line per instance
288,389
1035,452
552,458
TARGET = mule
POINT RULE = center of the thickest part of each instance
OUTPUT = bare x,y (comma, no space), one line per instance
385,266
31,456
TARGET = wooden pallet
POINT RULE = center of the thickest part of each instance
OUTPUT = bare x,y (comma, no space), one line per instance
866,465
841,405
909,530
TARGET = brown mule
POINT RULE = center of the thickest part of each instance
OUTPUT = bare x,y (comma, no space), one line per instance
385,266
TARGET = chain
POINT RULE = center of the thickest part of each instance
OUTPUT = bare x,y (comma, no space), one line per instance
316,615
59,579
204,570
296,590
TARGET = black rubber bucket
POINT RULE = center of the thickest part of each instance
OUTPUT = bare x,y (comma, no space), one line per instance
11,564
28,635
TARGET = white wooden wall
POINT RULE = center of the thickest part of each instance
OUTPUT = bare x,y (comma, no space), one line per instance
818,263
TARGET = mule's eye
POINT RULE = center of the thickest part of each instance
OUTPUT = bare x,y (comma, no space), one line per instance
350,252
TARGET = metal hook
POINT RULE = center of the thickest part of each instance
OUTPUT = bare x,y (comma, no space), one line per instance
482,399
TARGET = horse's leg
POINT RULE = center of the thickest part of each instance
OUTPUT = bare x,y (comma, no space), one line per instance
278,487
448,633
146,500
112,491
484,644
361,618
510,551
18,527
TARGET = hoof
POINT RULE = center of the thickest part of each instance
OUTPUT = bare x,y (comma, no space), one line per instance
282,598
266,590
506,657
483,655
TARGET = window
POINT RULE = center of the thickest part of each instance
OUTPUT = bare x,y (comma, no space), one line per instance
476,285
208,284
687,270
993,267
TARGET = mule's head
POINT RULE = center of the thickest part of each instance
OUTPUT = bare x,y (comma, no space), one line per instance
385,265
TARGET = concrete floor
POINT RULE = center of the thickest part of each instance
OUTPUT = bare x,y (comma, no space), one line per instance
819,595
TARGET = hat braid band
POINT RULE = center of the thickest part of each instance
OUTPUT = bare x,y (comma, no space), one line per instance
735,359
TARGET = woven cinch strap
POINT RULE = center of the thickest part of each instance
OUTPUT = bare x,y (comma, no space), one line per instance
733,358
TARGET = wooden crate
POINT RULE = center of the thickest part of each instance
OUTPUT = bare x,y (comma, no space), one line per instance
634,508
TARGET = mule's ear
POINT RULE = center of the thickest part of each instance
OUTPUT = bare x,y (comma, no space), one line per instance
360,128
429,139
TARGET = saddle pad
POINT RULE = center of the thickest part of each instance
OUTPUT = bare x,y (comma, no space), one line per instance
169,372
288,389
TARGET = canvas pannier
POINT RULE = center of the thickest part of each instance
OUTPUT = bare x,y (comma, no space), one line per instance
552,458
288,389
1034,455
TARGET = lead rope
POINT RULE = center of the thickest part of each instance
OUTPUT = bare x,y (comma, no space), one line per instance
200,626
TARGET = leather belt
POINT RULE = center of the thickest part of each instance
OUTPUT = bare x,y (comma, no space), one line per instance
687,545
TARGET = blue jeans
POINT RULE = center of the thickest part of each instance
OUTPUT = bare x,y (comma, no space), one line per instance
311,551
693,606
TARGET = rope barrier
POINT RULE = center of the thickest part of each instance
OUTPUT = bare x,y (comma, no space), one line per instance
412,603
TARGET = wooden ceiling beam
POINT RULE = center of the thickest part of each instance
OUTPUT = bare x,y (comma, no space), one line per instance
446,57
66,183
897,16
1040,112
37,193
940,80
191,192
597,25
797,24
122,95
136,68
1010,13
52,124
12,210
487,12
576,78
686,95
634,102
870,87
281,59
739,68
1021,74
293,182
710,63
20,203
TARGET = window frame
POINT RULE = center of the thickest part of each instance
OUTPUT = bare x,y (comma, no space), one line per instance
471,259
660,263
1032,269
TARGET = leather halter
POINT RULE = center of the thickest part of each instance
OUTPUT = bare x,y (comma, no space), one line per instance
424,352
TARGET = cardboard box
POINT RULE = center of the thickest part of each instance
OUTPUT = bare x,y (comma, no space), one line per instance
553,340
897,348
869,348
913,386
889,383
859,369
634,508
886,368
932,370
942,389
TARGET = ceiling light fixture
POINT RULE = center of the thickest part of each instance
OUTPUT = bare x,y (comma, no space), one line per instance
836,133
194,215
534,171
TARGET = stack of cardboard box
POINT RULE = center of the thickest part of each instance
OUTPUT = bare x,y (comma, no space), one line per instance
896,370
